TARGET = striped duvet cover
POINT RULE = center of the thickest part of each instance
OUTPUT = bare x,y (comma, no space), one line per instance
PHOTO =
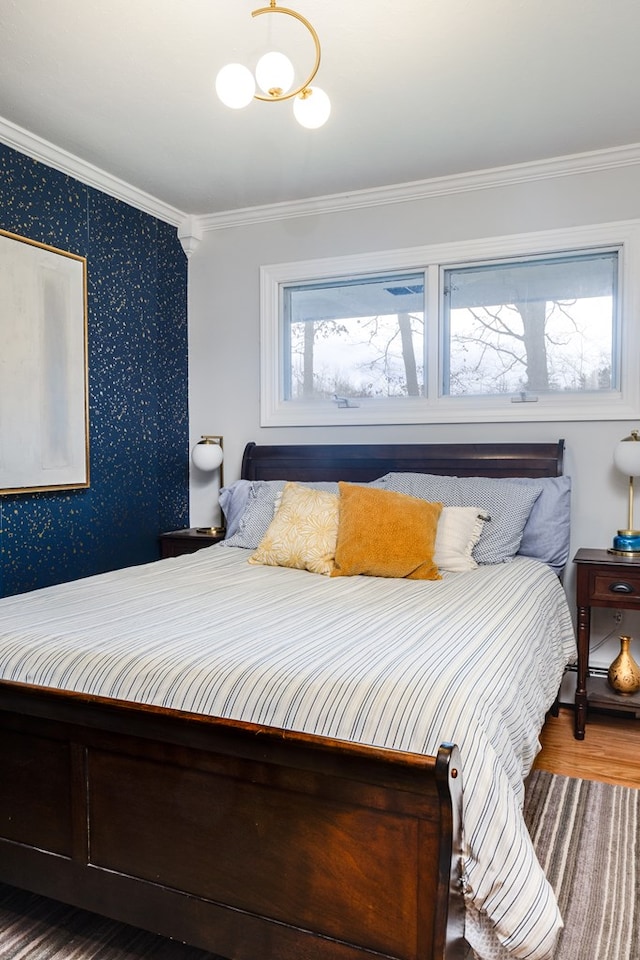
475,658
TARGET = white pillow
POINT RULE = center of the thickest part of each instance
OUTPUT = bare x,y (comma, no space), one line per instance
459,529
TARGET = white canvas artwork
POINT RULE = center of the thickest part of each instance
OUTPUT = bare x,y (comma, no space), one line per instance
43,367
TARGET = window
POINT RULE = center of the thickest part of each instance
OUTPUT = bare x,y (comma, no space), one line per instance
351,339
526,327
519,328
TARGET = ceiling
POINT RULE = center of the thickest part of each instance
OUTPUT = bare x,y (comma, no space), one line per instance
419,89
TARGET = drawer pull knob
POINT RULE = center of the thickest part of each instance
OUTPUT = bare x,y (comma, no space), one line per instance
621,587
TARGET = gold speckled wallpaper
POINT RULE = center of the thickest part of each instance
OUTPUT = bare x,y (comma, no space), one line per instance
138,389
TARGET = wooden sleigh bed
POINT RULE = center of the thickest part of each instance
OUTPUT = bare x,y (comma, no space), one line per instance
253,842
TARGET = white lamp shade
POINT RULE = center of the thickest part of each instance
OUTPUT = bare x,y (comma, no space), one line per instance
235,86
274,71
207,456
626,457
312,109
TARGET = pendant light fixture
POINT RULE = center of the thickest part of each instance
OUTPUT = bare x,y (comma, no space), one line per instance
275,78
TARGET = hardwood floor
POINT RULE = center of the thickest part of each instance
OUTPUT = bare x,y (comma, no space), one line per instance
610,750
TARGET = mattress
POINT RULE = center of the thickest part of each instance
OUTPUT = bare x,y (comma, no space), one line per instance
475,658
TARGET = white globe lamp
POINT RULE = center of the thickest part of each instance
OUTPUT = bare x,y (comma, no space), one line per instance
626,457
312,108
274,73
207,455
235,86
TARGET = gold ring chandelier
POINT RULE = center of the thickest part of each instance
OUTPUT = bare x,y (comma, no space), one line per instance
274,76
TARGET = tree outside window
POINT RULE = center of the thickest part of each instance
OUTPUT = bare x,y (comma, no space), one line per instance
356,339
532,327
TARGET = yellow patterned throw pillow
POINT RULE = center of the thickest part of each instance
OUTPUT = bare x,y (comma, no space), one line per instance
303,531
385,534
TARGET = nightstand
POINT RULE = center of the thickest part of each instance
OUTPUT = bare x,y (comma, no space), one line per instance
177,542
603,580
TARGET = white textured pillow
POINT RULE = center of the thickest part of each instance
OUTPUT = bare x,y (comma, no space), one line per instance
459,529
303,532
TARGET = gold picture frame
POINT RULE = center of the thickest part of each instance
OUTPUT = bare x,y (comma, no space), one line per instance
44,409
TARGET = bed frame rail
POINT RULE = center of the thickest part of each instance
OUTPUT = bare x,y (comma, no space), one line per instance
247,841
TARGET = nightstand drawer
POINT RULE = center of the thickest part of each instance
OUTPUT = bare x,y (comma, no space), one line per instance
624,587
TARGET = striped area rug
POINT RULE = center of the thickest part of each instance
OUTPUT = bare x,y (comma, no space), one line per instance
35,928
585,835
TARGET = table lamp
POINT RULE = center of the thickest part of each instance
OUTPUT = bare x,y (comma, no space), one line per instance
626,457
207,455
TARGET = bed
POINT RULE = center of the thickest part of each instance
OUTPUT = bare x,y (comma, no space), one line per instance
268,802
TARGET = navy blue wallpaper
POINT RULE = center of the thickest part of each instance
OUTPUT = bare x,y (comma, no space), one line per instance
138,391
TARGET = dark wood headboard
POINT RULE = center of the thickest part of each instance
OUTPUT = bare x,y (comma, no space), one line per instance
364,462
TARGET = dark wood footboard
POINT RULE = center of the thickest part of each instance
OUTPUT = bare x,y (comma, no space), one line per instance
251,842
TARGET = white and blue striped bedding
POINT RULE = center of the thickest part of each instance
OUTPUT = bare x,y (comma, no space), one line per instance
475,658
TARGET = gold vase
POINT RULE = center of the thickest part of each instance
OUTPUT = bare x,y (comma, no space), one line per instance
624,672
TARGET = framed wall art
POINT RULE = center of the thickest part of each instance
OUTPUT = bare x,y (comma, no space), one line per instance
44,430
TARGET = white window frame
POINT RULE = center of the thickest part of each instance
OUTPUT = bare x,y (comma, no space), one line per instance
623,404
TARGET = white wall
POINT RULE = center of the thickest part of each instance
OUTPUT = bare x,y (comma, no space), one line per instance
224,326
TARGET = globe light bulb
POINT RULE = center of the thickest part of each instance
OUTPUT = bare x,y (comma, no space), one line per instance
207,456
312,108
274,72
235,86
626,455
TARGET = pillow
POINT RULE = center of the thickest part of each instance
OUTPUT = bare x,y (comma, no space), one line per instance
303,532
233,503
459,529
508,504
259,510
385,534
547,532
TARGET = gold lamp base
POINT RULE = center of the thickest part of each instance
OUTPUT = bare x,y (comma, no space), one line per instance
212,531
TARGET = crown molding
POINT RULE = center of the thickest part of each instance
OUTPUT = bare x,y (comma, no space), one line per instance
567,166
52,156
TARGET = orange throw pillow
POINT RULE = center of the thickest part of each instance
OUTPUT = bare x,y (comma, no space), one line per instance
382,533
